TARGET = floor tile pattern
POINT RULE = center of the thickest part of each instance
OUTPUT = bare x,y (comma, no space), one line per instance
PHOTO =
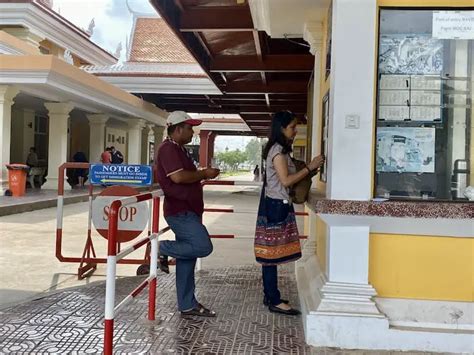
71,321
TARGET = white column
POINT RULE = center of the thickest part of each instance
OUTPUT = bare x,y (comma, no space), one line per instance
7,93
97,123
151,138
135,127
313,34
58,137
159,133
352,98
347,269
146,134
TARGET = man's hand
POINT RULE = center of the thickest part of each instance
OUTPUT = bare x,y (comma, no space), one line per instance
211,173
190,177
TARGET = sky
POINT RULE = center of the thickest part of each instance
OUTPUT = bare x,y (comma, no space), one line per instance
113,21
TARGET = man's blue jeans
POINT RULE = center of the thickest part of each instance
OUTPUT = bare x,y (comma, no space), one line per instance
192,242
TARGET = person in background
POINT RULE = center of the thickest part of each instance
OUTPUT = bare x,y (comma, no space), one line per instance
183,208
32,158
117,156
256,174
80,175
106,156
276,235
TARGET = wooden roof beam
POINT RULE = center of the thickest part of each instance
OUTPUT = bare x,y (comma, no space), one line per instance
247,110
269,63
257,87
216,18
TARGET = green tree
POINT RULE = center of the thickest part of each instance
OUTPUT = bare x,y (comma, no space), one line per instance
231,159
252,152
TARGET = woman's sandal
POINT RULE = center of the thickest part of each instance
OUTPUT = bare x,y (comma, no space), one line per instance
266,301
200,311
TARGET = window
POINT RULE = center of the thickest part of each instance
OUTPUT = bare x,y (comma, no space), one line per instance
424,140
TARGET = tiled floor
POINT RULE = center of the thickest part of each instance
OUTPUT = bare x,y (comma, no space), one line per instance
71,321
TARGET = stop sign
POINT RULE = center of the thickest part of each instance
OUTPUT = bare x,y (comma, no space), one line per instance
132,219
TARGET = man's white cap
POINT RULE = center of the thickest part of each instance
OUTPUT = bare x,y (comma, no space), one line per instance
176,117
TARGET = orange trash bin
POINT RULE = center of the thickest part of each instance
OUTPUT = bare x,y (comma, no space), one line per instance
17,174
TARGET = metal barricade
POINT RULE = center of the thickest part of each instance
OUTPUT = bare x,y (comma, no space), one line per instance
113,258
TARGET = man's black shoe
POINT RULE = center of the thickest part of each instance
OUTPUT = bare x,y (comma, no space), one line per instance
163,264
266,301
289,312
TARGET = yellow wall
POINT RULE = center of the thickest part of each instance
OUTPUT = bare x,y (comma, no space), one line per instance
324,88
422,267
58,51
413,266
321,238
471,149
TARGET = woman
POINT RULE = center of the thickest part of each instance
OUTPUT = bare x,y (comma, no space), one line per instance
276,236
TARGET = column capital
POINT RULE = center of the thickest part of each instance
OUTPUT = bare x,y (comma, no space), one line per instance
313,33
149,130
136,123
59,108
97,118
8,93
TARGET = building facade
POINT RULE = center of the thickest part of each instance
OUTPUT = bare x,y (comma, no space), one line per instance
49,103
389,263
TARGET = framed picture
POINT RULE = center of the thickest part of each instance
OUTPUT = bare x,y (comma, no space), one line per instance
329,41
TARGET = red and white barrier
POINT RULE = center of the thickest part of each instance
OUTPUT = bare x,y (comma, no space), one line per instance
232,210
113,258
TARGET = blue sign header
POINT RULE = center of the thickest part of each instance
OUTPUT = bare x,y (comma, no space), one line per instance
121,174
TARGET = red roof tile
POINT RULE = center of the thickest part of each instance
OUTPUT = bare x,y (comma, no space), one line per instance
153,41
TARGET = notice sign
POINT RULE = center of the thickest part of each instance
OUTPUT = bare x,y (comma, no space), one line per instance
121,174
453,24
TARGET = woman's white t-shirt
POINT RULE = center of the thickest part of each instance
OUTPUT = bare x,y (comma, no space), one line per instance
275,188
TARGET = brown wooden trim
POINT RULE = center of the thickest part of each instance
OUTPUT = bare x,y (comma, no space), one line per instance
216,18
270,63
256,87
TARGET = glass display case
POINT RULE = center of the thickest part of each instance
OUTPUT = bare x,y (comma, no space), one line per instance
424,147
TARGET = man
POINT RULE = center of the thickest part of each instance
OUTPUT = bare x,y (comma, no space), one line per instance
106,156
117,156
32,158
183,208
